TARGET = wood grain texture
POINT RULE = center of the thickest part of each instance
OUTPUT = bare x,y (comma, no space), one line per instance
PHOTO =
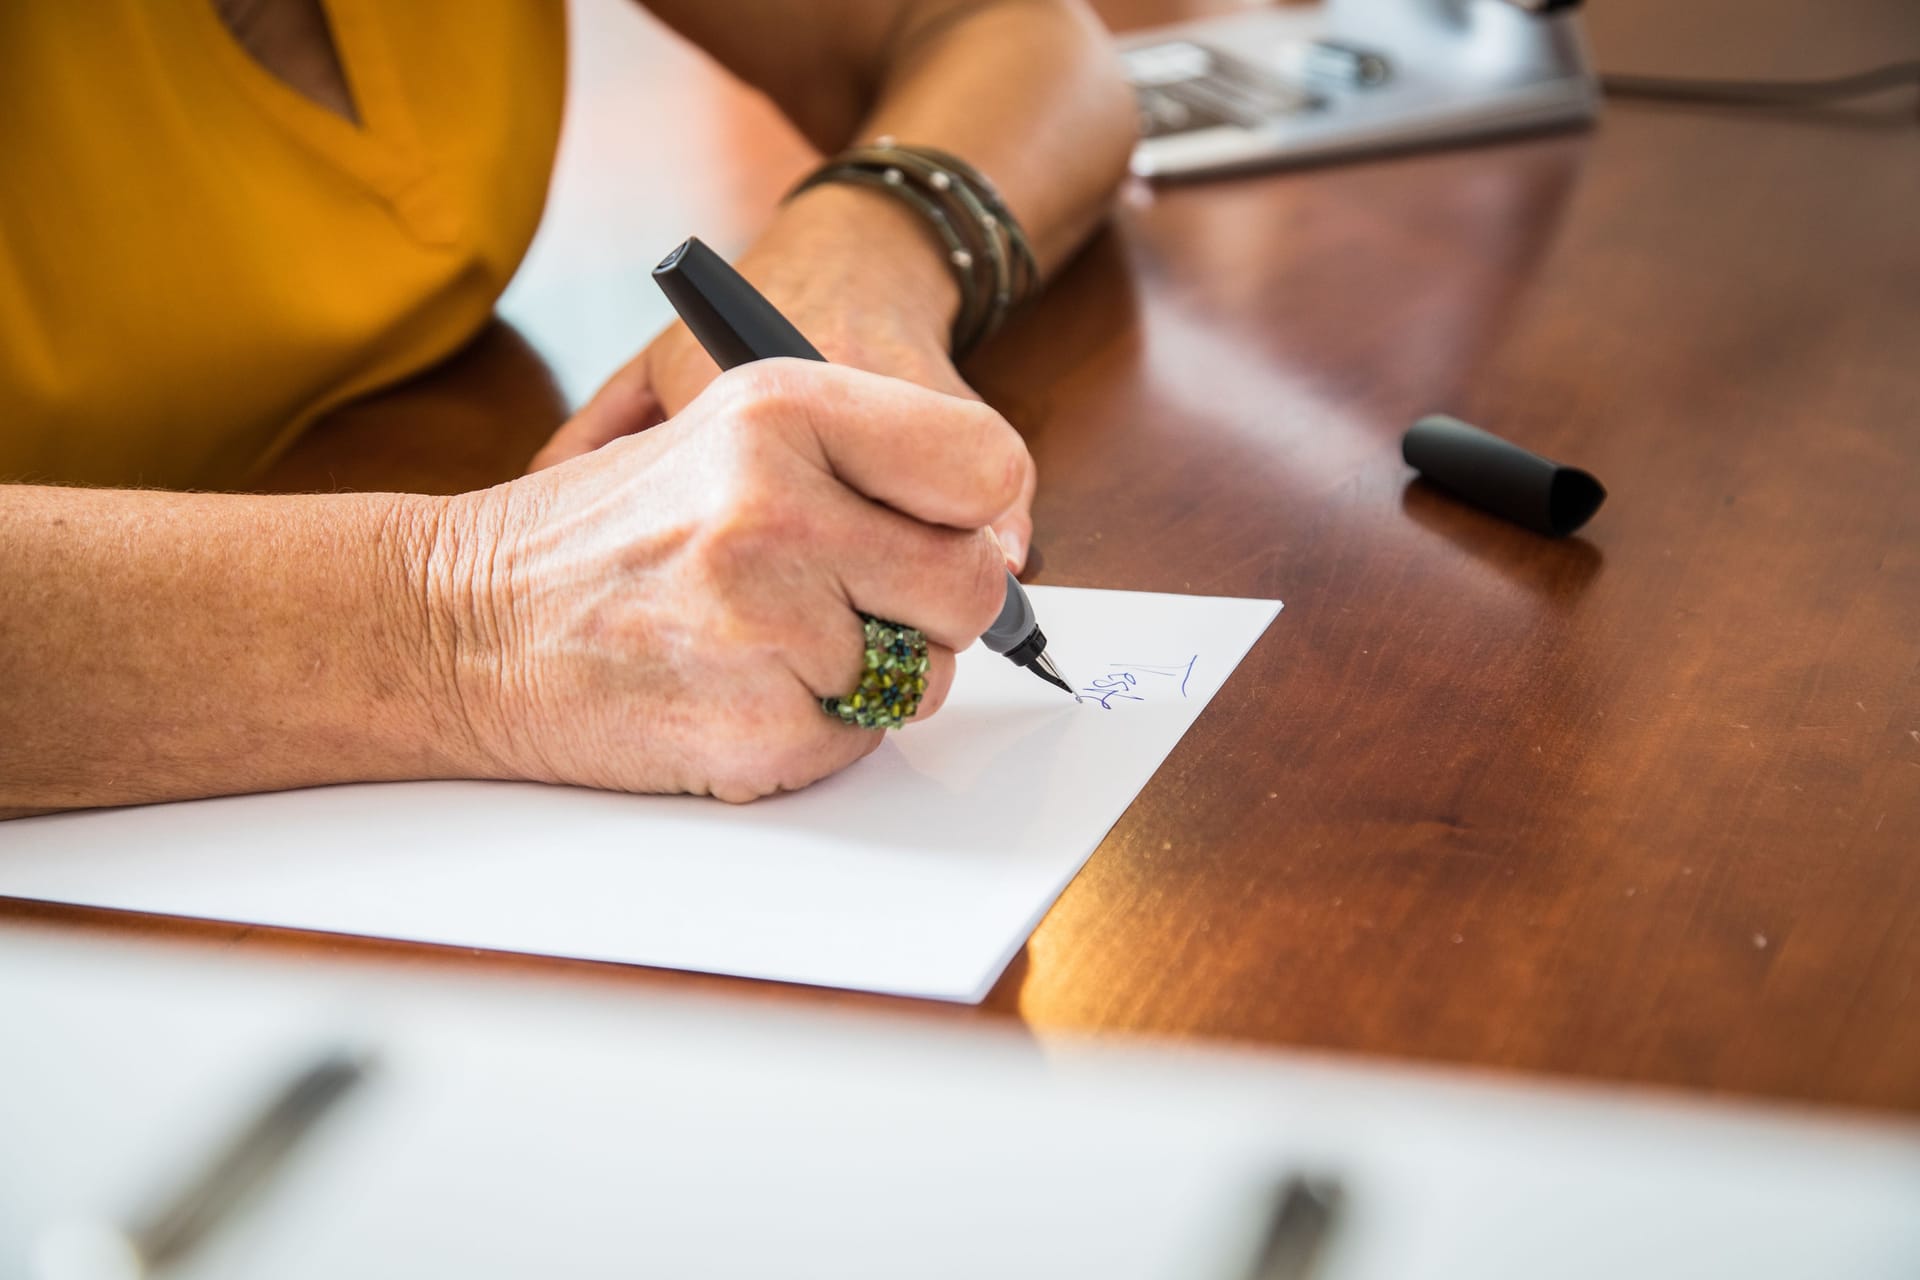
1641,806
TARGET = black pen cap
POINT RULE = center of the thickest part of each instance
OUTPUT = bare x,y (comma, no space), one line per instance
728,315
1499,476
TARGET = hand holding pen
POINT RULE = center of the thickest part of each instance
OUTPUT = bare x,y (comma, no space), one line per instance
738,326
667,612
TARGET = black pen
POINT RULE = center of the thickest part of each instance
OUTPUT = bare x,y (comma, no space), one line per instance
737,325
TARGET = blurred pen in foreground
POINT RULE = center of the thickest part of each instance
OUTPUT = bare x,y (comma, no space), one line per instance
98,1249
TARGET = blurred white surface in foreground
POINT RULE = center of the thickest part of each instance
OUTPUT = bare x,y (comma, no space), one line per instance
513,1129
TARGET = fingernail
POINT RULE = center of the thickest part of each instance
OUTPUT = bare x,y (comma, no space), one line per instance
1016,549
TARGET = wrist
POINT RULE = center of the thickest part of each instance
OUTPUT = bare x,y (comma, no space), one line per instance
858,252
447,557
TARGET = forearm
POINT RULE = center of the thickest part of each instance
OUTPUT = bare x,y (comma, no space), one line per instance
1027,91
157,646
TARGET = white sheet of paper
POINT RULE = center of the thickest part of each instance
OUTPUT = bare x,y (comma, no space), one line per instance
919,871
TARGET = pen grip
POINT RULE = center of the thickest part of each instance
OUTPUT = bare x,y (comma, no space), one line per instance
1016,621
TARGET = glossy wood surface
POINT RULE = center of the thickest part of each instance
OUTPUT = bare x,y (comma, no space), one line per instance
1641,806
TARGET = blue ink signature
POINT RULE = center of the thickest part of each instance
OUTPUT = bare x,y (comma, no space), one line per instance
1124,678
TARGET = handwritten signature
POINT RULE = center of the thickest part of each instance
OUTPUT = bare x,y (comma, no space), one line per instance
1133,681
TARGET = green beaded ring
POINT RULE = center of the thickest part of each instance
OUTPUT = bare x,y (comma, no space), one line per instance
893,683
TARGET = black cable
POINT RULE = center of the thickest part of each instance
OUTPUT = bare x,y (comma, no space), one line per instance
1765,93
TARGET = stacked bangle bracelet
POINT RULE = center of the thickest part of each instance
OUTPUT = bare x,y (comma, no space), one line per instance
985,248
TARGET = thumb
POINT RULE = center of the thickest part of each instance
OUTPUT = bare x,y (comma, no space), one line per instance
1014,528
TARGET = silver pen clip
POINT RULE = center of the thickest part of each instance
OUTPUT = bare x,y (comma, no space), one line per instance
1305,1212
178,1221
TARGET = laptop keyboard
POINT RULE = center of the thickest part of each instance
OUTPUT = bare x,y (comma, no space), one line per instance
1181,87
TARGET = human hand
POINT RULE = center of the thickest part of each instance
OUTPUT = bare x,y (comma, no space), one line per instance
852,271
666,612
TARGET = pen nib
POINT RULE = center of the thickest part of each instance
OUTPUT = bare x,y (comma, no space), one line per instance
1043,667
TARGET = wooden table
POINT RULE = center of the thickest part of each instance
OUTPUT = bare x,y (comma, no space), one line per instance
1641,806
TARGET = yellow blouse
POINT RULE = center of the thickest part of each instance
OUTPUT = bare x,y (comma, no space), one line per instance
196,260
